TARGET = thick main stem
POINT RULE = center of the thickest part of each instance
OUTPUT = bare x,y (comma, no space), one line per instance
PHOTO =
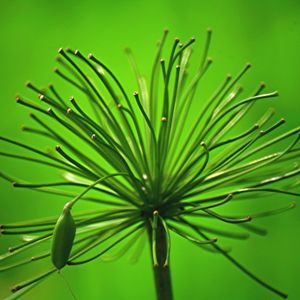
162,275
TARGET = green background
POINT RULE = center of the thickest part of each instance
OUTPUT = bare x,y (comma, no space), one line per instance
266,33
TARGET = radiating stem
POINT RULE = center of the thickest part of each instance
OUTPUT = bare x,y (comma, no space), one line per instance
162,274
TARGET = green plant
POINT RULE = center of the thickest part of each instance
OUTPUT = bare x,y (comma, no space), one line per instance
130,151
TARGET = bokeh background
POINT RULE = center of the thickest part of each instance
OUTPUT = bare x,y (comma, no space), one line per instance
266,33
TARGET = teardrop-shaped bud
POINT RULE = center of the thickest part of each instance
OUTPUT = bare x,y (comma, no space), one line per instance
63,237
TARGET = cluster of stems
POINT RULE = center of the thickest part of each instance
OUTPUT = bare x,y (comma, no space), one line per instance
156,162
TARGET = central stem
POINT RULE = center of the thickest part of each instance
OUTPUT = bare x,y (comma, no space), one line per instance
162,275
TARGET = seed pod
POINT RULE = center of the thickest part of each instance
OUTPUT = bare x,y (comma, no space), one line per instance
63,237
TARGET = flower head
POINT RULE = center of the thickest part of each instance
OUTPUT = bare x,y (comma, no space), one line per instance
156,161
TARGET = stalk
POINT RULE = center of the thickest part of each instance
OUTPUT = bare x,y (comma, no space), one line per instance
162,273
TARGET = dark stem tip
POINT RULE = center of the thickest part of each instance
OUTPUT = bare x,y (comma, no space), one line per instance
262,84
127,50
28,84
15,288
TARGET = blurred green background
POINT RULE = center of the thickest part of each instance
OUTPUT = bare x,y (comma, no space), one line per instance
266,33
